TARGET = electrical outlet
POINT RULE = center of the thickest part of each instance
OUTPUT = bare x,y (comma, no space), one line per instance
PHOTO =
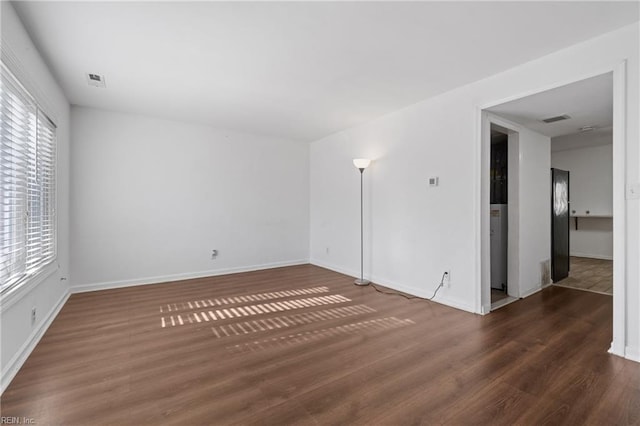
33,315
447,278
326,250
214,254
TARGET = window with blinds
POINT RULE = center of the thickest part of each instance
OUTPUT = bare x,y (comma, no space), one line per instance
28,185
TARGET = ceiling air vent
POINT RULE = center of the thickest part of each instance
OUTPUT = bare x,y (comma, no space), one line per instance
556,118
96,80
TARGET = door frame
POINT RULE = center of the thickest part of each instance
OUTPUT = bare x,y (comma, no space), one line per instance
513,210
482,261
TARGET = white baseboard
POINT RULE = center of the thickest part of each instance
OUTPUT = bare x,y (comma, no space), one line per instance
426,293
592,256
627,352
632,353
485,309
179,277
335,268
531,292
14,365
441,297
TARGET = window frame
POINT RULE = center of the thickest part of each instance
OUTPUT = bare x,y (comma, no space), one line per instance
46,192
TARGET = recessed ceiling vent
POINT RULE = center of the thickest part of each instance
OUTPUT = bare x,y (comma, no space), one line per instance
96,80
556,118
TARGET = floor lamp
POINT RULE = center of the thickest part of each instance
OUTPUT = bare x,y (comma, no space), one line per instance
361,164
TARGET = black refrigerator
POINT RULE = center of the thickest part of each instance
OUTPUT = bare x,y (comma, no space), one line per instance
559,224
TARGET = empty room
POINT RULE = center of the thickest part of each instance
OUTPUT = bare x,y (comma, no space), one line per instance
376,213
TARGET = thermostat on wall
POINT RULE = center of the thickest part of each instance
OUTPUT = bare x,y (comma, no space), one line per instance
433,181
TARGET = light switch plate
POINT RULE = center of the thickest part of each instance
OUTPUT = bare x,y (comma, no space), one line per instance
633,191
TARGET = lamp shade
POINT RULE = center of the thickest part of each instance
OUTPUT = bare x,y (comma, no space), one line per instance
361,163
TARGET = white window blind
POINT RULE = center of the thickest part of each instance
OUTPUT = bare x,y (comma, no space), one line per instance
27,185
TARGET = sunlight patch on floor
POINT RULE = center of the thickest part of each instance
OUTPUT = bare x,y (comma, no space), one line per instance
230,300
287,321
250,310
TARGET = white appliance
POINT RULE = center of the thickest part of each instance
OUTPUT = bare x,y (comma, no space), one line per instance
498,224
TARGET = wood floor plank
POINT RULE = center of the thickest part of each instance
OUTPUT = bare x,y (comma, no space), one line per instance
303,345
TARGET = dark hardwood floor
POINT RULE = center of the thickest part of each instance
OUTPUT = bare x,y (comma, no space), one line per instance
303,345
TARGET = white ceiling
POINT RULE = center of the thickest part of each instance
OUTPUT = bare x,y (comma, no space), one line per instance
588,102
298,70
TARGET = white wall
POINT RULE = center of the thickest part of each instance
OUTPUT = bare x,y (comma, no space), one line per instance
591,183
151,198
413,232
534,207
416,232
47,293
591,178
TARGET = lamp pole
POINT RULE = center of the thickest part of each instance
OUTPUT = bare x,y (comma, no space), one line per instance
361,164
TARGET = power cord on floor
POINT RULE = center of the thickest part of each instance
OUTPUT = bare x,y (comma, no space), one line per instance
395,293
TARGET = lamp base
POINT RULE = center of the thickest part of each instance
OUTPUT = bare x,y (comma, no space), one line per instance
361,282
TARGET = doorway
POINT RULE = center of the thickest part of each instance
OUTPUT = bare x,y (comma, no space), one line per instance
503,213
527,119
591,213
499,215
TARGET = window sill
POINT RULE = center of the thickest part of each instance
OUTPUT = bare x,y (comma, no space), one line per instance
15,294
